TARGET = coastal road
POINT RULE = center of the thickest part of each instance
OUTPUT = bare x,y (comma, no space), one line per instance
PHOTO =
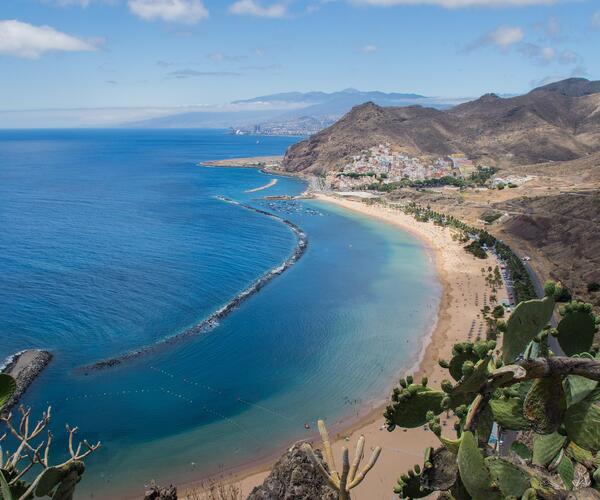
508,437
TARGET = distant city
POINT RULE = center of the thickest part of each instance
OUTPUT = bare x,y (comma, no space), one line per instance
303,126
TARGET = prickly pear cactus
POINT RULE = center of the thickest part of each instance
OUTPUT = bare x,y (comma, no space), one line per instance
545,404
582,422
577,328
473,470
60,481
411,403
508,412
410,485
546,447
512,480
8,386
525,323
556,402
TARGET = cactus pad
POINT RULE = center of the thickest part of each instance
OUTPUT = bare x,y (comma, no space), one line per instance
527,320
7,388
410,485
461,353
546,447
566,471
576,329
61,480
471,382
511,479
577,388
509,413
521,449
473,471
545,404
582,422
409,406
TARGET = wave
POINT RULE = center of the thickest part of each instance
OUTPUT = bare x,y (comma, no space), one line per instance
10,360
212,321
261,188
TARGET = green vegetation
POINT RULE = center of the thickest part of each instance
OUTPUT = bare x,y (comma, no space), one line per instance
27,472
482,175
593,287
554,401
522,284
498,311
476,249
490,216
478,178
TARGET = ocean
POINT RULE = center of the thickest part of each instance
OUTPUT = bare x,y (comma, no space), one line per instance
113,240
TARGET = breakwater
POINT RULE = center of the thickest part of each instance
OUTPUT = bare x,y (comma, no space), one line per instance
24,367
211,321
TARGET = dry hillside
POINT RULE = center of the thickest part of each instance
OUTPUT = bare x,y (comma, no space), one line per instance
558,122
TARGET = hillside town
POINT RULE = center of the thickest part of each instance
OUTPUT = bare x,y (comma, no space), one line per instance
384,164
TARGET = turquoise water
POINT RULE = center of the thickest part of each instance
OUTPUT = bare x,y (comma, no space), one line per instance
113,240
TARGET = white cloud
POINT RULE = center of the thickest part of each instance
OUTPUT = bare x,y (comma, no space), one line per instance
177,11
28,41
547,55
456,3
596,20
64,3
253,8
369,48
502,38
81,3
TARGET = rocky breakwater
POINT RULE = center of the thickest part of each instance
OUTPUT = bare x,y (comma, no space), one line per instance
25,367
213,320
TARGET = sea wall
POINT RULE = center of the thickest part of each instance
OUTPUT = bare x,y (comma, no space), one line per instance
24,367
211,321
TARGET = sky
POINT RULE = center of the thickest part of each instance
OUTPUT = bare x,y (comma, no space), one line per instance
162,54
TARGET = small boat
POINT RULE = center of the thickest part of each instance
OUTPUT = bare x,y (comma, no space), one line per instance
307,426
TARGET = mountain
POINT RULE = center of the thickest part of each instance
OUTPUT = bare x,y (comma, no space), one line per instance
354,95
286,113
556,122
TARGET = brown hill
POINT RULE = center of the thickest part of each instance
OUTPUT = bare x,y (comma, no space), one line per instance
565,228
556,122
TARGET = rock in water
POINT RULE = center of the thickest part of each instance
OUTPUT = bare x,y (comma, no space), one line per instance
294,477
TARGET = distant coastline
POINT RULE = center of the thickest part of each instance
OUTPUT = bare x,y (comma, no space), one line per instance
248,162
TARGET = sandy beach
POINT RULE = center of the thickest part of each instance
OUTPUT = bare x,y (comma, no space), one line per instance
465,292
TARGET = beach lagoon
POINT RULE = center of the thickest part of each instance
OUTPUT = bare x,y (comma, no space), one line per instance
116,239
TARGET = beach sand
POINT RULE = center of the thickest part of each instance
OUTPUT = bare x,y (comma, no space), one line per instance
465,292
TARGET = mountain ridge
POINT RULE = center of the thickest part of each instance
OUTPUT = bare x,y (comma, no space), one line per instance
557,122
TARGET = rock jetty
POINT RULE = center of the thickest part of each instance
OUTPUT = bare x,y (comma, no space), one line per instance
25,367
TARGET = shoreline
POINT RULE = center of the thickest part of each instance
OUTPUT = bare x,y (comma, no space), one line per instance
25,367
460,278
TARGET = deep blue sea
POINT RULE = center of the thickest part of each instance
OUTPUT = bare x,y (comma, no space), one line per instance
111,240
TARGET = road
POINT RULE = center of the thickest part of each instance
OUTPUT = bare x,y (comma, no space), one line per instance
508,437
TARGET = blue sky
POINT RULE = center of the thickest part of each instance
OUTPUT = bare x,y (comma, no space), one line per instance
168,53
